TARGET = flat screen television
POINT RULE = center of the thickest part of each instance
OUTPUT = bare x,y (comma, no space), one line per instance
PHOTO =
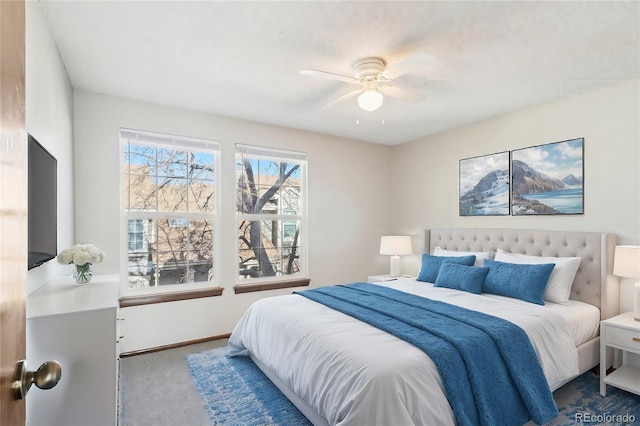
43,205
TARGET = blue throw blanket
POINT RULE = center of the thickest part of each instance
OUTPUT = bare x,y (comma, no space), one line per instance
489,369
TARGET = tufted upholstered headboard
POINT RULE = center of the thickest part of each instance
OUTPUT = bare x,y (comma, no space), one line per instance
594,283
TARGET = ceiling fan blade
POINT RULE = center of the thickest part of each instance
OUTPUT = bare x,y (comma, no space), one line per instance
420,62
342,98
402,94
332,76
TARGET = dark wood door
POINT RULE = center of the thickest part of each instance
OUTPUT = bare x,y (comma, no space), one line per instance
13,205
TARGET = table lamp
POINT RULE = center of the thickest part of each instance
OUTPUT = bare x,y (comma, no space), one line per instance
626,263
395,246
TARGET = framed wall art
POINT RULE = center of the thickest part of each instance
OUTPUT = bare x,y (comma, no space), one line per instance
548,179
484,185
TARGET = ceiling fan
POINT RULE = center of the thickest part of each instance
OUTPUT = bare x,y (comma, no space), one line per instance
375,81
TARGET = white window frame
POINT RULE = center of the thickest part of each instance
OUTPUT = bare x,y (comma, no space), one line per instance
303,242
159,140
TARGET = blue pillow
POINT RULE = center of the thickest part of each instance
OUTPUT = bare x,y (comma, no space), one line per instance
521,281
431,265
461,277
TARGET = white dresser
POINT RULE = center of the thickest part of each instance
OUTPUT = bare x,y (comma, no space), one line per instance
76,326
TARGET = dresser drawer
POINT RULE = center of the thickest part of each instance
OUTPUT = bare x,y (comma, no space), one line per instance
621,337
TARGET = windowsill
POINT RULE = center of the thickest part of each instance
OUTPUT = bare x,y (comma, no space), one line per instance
148,299
264,286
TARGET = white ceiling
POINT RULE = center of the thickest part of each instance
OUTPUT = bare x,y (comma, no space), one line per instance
242,59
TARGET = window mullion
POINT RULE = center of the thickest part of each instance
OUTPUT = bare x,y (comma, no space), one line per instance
269,216
188,185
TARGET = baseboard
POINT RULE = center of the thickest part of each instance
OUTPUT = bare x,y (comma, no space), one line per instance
174,345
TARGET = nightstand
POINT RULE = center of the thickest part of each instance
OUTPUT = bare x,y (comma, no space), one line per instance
620,332
380,278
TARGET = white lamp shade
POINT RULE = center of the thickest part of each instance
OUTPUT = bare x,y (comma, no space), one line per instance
395,245
626,262
370,100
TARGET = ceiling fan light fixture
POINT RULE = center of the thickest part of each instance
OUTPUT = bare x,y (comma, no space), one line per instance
370,100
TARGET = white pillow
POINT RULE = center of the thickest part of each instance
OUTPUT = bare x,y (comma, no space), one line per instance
480,255
561,279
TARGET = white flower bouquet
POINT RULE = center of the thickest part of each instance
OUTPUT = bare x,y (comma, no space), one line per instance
82,256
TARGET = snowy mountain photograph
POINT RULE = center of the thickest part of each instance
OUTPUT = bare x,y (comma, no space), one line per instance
484,185
547,179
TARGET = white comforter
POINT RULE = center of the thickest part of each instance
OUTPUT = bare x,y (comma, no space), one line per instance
354,374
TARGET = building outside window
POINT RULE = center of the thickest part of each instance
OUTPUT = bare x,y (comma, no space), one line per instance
136,235
270,214
170,209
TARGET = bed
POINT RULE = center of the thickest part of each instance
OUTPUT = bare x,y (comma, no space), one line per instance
339,370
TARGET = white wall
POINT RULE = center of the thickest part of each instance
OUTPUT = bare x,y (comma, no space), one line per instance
377,189
348,184
402,189
424,173
49,118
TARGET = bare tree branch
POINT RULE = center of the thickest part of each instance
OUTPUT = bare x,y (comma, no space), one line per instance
292,255
277,185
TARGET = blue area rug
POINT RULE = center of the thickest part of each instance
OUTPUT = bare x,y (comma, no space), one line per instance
580,402
235,392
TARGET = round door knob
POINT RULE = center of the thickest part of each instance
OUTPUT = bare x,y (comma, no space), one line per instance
45,377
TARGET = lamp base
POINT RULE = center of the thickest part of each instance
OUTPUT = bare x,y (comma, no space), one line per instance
394,266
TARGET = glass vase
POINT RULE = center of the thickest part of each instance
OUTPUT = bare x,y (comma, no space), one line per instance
82,274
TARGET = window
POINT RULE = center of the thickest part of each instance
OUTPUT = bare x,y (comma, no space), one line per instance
136,233
270,214
170,192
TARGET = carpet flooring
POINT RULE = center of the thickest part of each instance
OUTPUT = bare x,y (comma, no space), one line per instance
235,392
155,389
